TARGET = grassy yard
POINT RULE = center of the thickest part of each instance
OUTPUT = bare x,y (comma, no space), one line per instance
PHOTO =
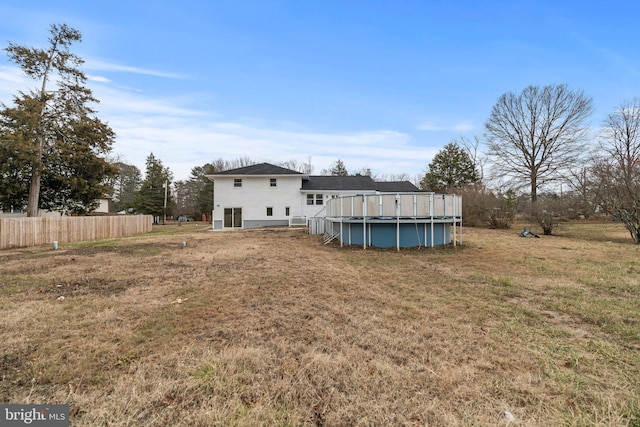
270,327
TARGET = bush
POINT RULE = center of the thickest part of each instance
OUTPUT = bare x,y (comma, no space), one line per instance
548,212
501,218
483,208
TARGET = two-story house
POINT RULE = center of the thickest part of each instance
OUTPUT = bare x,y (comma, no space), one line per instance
264,195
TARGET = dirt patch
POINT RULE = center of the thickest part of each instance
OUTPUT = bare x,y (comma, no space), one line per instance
89,286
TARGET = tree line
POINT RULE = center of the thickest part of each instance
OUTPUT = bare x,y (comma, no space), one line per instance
541,156
537,150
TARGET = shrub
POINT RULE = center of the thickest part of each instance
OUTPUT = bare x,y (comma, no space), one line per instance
548,212
483,208
502,216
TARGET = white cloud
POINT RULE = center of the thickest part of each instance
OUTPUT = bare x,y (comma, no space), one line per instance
98,79
11,74
463,127
183,136
117,101
184,143
445,126
11,81
98,65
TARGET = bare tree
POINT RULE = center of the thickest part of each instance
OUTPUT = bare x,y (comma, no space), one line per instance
472,147
365,171
584,189
240,162
538,134
293,164
618,171
402,176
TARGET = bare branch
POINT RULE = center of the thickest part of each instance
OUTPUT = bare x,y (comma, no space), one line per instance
618,171
538,134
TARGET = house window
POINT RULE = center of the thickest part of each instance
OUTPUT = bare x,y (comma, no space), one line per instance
314,199
286,211
269,211
273,182
237,182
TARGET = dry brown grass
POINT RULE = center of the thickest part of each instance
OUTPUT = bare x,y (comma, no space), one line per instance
270,327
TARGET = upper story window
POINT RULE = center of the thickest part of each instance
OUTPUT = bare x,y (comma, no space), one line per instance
273,182
237,182
314,199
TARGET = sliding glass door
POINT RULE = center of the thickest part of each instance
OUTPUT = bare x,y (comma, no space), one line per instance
233,217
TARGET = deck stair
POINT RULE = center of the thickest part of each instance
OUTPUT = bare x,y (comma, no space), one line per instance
329,237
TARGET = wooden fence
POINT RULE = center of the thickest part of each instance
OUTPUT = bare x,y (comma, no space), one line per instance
22,232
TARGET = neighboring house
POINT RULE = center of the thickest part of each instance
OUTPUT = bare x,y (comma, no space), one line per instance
267,195
23,214
103,204
103,207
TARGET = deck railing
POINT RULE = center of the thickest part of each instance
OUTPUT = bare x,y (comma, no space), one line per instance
298,221
389,207
405,205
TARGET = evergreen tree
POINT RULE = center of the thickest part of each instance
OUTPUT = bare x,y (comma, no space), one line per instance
194,196
338,169
14,171
150,199
450,168
206,188
53,146
126,184
184,198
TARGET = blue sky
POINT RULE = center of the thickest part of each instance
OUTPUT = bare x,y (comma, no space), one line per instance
378,84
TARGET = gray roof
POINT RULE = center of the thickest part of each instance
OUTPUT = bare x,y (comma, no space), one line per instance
325,183
354,183
321,182
259,169
396,186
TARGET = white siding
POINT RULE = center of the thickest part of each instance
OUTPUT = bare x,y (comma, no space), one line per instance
311,211
256,194
103,206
